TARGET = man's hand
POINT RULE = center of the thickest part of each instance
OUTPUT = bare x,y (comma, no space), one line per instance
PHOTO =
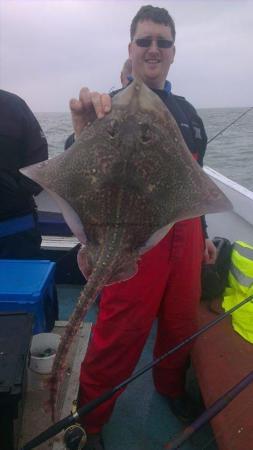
210,252
91,105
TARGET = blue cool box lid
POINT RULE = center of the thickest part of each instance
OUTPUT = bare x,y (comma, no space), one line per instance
24,278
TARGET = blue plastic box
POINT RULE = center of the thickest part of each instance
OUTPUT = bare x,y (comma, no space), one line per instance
28,286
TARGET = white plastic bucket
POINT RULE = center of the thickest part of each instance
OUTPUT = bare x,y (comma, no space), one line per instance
43,350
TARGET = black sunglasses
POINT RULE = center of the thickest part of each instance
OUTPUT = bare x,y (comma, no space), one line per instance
146,42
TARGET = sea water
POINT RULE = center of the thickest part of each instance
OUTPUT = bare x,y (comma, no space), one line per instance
231,153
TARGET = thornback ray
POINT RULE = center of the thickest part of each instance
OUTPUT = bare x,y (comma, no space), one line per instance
121,186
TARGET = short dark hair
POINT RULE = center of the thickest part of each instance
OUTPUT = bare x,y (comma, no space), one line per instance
154,13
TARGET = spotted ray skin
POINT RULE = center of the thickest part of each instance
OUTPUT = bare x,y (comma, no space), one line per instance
121,186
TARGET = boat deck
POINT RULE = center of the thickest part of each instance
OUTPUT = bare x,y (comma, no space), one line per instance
141,419
35,420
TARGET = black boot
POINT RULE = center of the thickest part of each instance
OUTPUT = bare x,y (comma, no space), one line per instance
185,408
94,442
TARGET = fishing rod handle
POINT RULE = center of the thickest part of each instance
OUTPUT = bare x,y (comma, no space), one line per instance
49,432
75,437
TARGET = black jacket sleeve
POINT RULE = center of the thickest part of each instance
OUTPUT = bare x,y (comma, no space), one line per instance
22,143
35,148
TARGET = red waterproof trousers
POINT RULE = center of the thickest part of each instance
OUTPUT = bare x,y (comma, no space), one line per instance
166,287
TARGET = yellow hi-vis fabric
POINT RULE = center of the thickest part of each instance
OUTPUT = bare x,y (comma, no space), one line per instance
240,286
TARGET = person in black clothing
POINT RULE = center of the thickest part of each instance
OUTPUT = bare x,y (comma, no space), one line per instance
168,283
22,142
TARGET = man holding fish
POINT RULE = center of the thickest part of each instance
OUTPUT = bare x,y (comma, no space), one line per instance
167,285
132,194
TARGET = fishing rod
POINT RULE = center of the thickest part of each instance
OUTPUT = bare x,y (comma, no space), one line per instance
229,125
75,416
210,412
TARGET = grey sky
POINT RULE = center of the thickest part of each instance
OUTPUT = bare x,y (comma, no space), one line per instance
50,49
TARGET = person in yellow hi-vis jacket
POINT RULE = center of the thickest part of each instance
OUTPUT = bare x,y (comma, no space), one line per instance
240,286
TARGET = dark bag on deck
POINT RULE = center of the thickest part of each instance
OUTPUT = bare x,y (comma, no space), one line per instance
214,276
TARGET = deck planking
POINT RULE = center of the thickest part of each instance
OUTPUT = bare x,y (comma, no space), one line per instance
35,420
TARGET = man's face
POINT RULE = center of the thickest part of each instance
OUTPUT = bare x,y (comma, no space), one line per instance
151,64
